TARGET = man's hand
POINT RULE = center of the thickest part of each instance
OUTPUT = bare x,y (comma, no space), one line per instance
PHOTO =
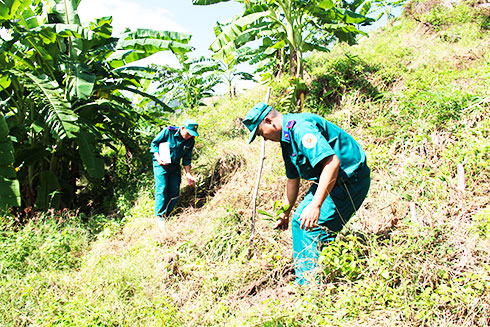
161,162
309,217
282,223
190,179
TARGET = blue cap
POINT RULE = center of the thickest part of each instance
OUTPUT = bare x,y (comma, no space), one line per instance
255,117
191,126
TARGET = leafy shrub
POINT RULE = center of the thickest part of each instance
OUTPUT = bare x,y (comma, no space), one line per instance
127,173
337,77
281,90
344,259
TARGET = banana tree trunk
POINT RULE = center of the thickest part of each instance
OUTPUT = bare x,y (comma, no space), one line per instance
299,63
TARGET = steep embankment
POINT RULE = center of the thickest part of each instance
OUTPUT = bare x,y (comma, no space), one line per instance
417,97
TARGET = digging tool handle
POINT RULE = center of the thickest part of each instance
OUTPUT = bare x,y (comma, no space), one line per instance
257,183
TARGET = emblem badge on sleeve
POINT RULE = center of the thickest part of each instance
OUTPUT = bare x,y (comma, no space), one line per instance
309,140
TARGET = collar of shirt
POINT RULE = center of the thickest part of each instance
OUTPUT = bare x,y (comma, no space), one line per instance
177,135
287,126
286,137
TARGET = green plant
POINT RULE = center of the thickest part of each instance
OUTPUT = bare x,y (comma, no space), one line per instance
9,185
278,209
227,241
344,259
289,29
336,78
44,245
184,87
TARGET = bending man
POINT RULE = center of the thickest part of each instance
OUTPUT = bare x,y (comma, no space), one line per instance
166,165
316,150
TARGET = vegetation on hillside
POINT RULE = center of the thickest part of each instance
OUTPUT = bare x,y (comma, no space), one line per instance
65,108
415,94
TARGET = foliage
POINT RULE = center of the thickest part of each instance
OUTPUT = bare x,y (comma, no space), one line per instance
289,29
227,67
385,8
277,210
344,259
440,16
44,244
333,79
227,242
64,91
286,30
10,193
186,86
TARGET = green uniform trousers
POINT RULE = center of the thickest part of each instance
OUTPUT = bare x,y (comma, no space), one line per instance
167,188
342,202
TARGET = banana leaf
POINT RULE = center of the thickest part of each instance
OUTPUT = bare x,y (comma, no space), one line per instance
66,11
326,4
4,82
9,193
57,112
91,162
49,191
9,185
72,30
132,50
206,2
145,33
6,153
80,83
9,8
235,29
29,19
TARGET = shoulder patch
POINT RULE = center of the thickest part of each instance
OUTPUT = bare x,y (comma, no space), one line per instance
287,136
290,123
172,128
309,140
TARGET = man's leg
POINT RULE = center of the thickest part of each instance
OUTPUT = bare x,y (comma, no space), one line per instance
344,200
306,244
172,191
160,185
336,211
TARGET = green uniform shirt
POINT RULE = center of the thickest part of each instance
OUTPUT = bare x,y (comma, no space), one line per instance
307,139
179,147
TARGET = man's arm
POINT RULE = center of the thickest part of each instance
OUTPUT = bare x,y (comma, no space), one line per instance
292,189
161,137
190,178
328,177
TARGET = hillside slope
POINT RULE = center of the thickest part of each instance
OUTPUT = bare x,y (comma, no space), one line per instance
416,95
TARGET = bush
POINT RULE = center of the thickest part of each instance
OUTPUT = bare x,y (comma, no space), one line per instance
337,77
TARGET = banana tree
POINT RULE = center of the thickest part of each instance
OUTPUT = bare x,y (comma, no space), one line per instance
296,26
184,87
227,69
64,96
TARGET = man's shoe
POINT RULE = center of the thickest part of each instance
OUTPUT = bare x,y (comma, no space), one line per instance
161,223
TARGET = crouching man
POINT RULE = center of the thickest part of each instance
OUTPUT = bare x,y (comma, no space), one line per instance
316,150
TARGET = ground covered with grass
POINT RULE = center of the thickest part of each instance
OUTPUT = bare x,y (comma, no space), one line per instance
416,95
